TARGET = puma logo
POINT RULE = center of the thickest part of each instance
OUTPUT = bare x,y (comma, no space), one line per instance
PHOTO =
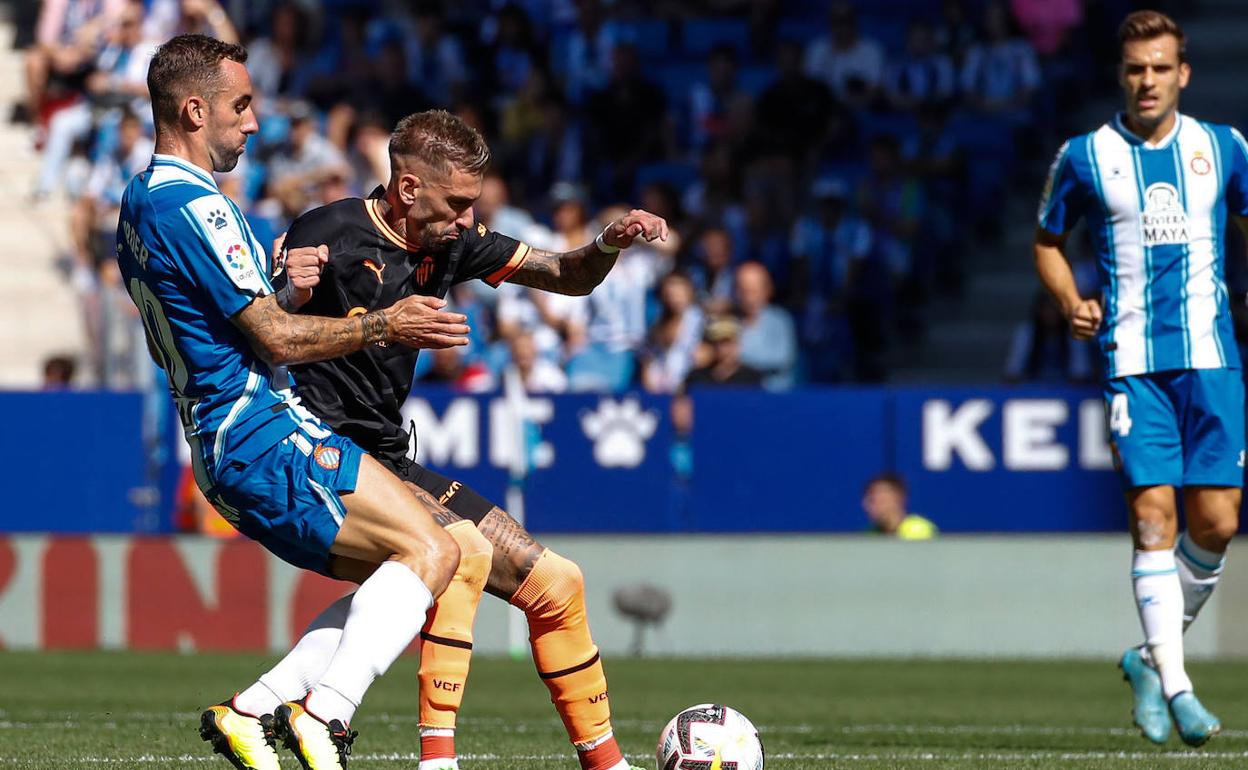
450,492
377,267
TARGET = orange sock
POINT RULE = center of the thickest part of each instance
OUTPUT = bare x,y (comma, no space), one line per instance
446,643
553,601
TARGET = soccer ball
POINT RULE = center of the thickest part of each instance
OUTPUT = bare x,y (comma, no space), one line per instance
709,737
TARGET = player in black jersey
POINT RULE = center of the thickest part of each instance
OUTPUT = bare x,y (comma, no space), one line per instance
419,236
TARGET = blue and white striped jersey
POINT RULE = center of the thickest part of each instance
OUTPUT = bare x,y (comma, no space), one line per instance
1157,214
190,262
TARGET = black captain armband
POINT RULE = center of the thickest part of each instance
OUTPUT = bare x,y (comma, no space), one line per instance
285,297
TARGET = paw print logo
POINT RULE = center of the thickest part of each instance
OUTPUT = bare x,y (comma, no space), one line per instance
619,430
217,219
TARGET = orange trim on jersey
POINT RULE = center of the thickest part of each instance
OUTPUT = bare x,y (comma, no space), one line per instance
385,229
509,269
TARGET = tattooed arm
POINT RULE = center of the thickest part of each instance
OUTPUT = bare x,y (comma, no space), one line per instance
280,337
578,272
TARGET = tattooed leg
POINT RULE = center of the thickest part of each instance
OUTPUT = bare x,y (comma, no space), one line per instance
515,553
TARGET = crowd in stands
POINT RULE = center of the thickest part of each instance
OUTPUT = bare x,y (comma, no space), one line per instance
823,165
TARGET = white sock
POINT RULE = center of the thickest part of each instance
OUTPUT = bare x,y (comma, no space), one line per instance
1199,570
295,675
1159,599
388,611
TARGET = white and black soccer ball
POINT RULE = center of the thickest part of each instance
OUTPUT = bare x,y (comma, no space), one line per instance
710,737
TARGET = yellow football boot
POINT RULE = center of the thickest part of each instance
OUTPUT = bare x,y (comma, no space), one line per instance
247,741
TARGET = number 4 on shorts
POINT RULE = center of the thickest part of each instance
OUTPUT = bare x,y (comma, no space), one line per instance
1119,417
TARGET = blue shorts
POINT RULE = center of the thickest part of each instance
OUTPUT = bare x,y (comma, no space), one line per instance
287,499
1183,427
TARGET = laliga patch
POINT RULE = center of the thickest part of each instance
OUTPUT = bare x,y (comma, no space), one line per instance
327,457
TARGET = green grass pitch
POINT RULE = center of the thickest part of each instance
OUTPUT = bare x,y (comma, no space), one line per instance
131,710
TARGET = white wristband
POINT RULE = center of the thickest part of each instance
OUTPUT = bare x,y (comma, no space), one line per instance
605,247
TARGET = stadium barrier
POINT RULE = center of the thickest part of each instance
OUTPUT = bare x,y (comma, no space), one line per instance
986,459
756,595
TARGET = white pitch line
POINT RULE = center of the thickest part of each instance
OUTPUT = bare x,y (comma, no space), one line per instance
499,724
926,756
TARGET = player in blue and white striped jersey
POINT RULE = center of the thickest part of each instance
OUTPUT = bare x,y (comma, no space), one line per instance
1155,188
200,280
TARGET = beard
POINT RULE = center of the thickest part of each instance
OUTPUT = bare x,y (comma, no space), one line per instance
432,243
223,163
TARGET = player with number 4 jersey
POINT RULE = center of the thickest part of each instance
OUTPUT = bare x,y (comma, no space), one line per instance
1155,188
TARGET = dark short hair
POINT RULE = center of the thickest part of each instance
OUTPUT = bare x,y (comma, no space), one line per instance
440,140
1146,25
184,66
894,480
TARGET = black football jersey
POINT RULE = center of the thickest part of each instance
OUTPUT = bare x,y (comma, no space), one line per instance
371,267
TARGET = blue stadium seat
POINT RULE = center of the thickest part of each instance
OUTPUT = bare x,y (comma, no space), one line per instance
872,124
651,37
754,79
801,29
699,36
889,31
678,175
676,80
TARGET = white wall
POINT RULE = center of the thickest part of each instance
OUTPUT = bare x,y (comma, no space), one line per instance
981,596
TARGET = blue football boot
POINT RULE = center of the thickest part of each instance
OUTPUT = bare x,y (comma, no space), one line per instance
1149,711
1196,725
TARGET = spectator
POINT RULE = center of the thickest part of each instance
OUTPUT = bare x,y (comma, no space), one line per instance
586,65
541,139
538,374
450,367
673,340
58,373
830,248
368,153
1042,349
924,76
119,79
722,358
718,108
494,210
885,501
93,218
277,62
557,322
765,237
768,342
891,200
794,112
434,58
933,156
343,68
616,327
849,64
1001,74
511,57
390,93
622,124
714,200
167,18
67,39
306,160
955,34
713,274
661,199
